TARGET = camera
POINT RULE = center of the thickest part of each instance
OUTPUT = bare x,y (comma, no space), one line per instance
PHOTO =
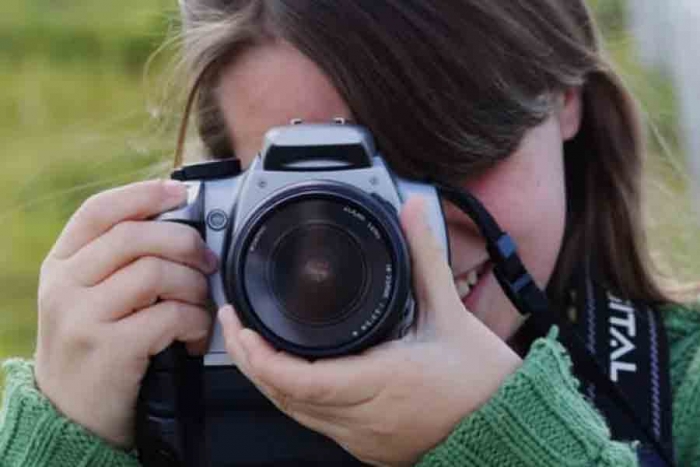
312,255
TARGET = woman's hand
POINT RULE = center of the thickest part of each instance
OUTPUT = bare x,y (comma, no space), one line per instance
115,290
391,404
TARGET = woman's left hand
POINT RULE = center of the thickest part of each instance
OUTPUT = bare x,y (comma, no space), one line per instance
391,404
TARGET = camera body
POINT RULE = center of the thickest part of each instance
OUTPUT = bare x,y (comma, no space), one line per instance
312,257
311,252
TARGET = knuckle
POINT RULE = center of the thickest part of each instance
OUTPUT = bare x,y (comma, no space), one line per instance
48,302
92,211
167,325
189,319
149,273
78,336
92,202
157,190
51,294
153,189
190,243
91,207
160,186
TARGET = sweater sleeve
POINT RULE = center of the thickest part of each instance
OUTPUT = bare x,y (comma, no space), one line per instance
683,328
538,417
34,434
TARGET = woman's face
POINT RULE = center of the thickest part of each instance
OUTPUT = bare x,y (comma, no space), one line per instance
269,85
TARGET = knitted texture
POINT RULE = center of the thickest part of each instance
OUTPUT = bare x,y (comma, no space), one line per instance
536,418
683,328
34,434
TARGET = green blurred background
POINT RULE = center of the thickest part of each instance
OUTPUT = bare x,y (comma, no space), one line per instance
77,116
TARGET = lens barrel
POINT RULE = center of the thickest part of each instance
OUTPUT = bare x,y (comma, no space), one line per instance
320,269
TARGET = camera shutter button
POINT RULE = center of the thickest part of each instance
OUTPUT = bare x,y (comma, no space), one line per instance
217,219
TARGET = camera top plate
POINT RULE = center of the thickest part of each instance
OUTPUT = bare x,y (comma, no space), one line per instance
317,147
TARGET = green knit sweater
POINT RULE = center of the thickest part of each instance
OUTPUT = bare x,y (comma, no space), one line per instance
537,418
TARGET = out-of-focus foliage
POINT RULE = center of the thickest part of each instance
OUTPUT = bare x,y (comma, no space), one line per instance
73,121
121,34
653,90
611,16
674,227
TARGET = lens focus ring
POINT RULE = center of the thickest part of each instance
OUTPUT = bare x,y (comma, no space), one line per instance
320,269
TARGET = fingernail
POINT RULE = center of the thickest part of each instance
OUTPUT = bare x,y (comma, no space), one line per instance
175,188
223,311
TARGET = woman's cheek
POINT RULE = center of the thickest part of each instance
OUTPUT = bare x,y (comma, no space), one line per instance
533,213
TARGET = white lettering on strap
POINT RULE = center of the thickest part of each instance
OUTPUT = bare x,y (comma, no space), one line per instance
623,328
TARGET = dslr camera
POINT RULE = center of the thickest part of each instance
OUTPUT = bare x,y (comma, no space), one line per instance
311,250
312,257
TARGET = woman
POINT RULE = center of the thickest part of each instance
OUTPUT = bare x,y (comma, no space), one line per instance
511,101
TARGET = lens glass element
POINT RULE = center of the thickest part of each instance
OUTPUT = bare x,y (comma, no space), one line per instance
318,273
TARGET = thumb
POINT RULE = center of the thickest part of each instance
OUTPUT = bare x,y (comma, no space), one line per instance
432,276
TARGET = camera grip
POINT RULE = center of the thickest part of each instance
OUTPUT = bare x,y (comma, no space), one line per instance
167,409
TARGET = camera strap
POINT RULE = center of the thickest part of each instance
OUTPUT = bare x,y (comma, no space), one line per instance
623,401
629,342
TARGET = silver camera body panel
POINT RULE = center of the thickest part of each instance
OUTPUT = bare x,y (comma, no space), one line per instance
225,204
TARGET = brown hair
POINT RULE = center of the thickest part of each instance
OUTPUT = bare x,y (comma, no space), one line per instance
448,88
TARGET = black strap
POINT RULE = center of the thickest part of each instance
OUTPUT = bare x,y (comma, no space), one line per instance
190,416
629,343
530,300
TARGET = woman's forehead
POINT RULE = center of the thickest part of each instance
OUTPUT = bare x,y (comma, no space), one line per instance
269,85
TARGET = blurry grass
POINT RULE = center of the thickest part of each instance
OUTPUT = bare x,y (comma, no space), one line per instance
73,121
122,34
53,157
674,222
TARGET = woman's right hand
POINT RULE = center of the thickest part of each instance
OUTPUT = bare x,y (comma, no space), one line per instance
115,290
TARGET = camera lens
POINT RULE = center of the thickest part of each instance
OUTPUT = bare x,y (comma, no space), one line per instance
320,269
318,272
